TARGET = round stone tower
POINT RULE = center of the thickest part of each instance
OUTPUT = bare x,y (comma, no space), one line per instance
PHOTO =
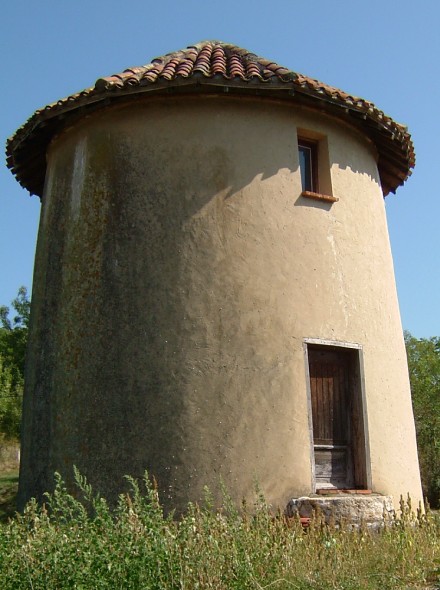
214,295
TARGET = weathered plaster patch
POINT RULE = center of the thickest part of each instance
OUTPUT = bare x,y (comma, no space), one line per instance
47,194
78,176
339,276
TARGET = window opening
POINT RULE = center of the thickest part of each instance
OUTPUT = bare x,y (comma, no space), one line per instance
308,165
314,166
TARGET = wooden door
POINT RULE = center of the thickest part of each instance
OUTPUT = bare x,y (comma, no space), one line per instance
331,398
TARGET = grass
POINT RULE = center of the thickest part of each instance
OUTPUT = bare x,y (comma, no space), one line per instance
72,544
8,493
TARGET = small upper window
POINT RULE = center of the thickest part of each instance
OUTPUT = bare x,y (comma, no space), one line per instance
314,167
308,165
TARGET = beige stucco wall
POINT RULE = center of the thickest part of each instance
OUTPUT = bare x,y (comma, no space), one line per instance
178,273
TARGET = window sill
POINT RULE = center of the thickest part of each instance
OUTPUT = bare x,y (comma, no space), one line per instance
319,197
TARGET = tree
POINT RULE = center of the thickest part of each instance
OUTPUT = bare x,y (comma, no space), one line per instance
14,332
424,372
13,341
11,396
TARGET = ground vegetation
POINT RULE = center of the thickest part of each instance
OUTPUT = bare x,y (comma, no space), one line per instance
79,543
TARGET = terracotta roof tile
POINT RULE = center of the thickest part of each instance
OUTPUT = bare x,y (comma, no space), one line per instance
209,58
206,65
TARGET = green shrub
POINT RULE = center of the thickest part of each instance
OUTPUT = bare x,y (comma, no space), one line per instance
82,544
424,373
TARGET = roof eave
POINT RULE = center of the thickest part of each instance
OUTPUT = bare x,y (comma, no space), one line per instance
394,166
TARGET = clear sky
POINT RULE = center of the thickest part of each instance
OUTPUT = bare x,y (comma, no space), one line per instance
383,50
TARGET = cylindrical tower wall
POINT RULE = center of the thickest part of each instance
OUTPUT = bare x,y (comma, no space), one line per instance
178,273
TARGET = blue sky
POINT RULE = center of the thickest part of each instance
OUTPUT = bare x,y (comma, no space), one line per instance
385,51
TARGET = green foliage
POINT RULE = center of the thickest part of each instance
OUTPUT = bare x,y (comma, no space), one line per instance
79,543
8,493
13,341
14,333
11,395
424,372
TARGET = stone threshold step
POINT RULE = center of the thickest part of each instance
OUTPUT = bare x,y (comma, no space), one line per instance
336,491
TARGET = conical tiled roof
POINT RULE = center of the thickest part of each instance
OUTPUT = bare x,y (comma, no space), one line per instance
205,67
208,59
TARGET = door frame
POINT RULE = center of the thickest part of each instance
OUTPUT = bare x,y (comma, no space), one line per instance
362,450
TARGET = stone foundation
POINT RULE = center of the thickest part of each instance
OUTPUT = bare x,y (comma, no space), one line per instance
355,509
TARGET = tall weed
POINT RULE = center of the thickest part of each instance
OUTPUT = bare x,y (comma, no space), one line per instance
82,544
